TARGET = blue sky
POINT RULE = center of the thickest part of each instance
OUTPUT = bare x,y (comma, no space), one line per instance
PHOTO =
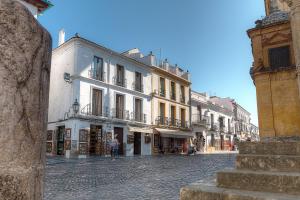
206,37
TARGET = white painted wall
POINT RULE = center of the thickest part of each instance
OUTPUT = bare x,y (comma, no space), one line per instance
76,57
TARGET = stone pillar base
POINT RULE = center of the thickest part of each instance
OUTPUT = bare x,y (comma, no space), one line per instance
264,171
20,183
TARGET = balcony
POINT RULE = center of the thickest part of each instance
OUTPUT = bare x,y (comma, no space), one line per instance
120,114
200,120
222,128
96,75
162,92
88,111
182,99
138,87
120,82
173,95
214,126
138,117
171,123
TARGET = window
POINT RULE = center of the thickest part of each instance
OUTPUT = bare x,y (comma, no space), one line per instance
162,90
162,113
279,57
97,69
182,118
120,76
182,94
212,121
119,106
173,91
97,102
138,82
138,110
173,115
229,127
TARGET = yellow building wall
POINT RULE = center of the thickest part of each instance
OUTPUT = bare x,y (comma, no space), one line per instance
277,91
156,100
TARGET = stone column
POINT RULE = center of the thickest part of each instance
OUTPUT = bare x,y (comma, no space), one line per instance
25,54
295,25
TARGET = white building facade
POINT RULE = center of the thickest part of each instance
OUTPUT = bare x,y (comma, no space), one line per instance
213,124
96,95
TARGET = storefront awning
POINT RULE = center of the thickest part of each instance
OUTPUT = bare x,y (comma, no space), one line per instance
174,133
140,129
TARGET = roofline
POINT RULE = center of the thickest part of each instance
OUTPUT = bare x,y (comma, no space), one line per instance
267,26
152,68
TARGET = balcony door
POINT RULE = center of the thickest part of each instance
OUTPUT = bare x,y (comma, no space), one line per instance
138,81
173,115
182,117
97,68
162,113
120,76
119,106
138,110
97,102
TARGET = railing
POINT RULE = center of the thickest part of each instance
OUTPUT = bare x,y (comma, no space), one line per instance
222,128
96,76
182,98
173,95
162,92
120,114
87,110
171,122
200,120
138,87
214,127
138,117
122,83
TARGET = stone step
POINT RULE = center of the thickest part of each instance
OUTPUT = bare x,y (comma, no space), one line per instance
270,148
280,163
278,182
211,192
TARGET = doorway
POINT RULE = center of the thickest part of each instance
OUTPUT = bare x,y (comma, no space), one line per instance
96,140
60,140
137,143
119,135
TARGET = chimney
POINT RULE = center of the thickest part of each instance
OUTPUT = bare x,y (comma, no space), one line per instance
61,37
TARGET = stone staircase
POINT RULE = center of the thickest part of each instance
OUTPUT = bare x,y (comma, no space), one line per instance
264,171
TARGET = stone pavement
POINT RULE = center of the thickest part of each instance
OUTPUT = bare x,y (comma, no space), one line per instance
152,177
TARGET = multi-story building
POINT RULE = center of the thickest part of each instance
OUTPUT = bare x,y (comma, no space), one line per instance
213,123
36,6
242,122
170,101
97,94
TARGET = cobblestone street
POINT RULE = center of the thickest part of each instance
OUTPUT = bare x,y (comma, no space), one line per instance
158,177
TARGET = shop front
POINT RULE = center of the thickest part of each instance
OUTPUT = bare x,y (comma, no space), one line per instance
168,141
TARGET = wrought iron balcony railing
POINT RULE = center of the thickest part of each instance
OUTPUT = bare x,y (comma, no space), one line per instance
173,95
120,82
200,120
120,114
171,122
162,92
138,87
182,98
88,110
96,75
138,117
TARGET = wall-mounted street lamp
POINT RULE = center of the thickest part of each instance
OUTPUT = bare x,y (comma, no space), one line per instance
75,106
